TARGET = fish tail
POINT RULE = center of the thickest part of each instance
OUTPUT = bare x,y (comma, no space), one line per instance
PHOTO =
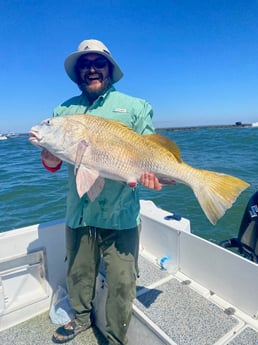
216,192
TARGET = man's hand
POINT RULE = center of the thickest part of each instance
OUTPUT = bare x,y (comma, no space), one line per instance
50,160
149,180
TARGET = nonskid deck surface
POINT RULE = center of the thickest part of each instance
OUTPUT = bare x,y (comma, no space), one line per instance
39,331
187,317
184,315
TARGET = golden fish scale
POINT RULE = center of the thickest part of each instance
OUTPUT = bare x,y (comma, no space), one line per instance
119,148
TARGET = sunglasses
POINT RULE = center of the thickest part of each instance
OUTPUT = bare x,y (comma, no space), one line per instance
96,64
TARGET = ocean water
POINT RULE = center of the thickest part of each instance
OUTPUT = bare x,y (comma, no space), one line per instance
29,194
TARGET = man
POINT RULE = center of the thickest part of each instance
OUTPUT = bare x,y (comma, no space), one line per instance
108,226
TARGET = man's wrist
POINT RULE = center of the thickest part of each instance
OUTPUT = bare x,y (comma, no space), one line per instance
51,169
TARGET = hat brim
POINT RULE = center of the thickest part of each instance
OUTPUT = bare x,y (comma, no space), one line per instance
71,61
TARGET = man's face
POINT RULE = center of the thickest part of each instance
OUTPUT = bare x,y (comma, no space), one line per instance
93,72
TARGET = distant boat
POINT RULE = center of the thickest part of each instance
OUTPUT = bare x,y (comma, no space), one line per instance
3,137
255,124
11,134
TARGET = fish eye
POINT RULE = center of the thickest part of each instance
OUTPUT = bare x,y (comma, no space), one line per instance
48,122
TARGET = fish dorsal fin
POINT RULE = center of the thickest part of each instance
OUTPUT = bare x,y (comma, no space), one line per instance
167,143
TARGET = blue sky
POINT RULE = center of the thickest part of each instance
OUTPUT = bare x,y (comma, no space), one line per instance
196,62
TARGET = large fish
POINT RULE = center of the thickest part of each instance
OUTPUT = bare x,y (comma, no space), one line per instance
100,148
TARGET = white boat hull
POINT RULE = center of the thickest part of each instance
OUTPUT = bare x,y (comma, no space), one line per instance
32,266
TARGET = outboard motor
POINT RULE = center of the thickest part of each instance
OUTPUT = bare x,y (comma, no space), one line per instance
247,240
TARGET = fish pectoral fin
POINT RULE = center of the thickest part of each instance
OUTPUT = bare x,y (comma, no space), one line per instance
85,179
96,188
81,148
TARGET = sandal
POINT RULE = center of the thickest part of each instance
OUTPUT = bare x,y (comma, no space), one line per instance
69,331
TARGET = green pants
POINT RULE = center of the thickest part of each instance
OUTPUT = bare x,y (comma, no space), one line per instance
119,250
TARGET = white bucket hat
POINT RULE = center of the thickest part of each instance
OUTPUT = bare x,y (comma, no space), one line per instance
87,47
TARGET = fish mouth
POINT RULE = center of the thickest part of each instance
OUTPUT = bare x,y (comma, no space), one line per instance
34,138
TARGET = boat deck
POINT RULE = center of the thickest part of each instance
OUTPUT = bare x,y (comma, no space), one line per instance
186,316
173,309
39,330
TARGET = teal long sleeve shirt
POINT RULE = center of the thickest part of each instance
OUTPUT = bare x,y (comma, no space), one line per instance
117,207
